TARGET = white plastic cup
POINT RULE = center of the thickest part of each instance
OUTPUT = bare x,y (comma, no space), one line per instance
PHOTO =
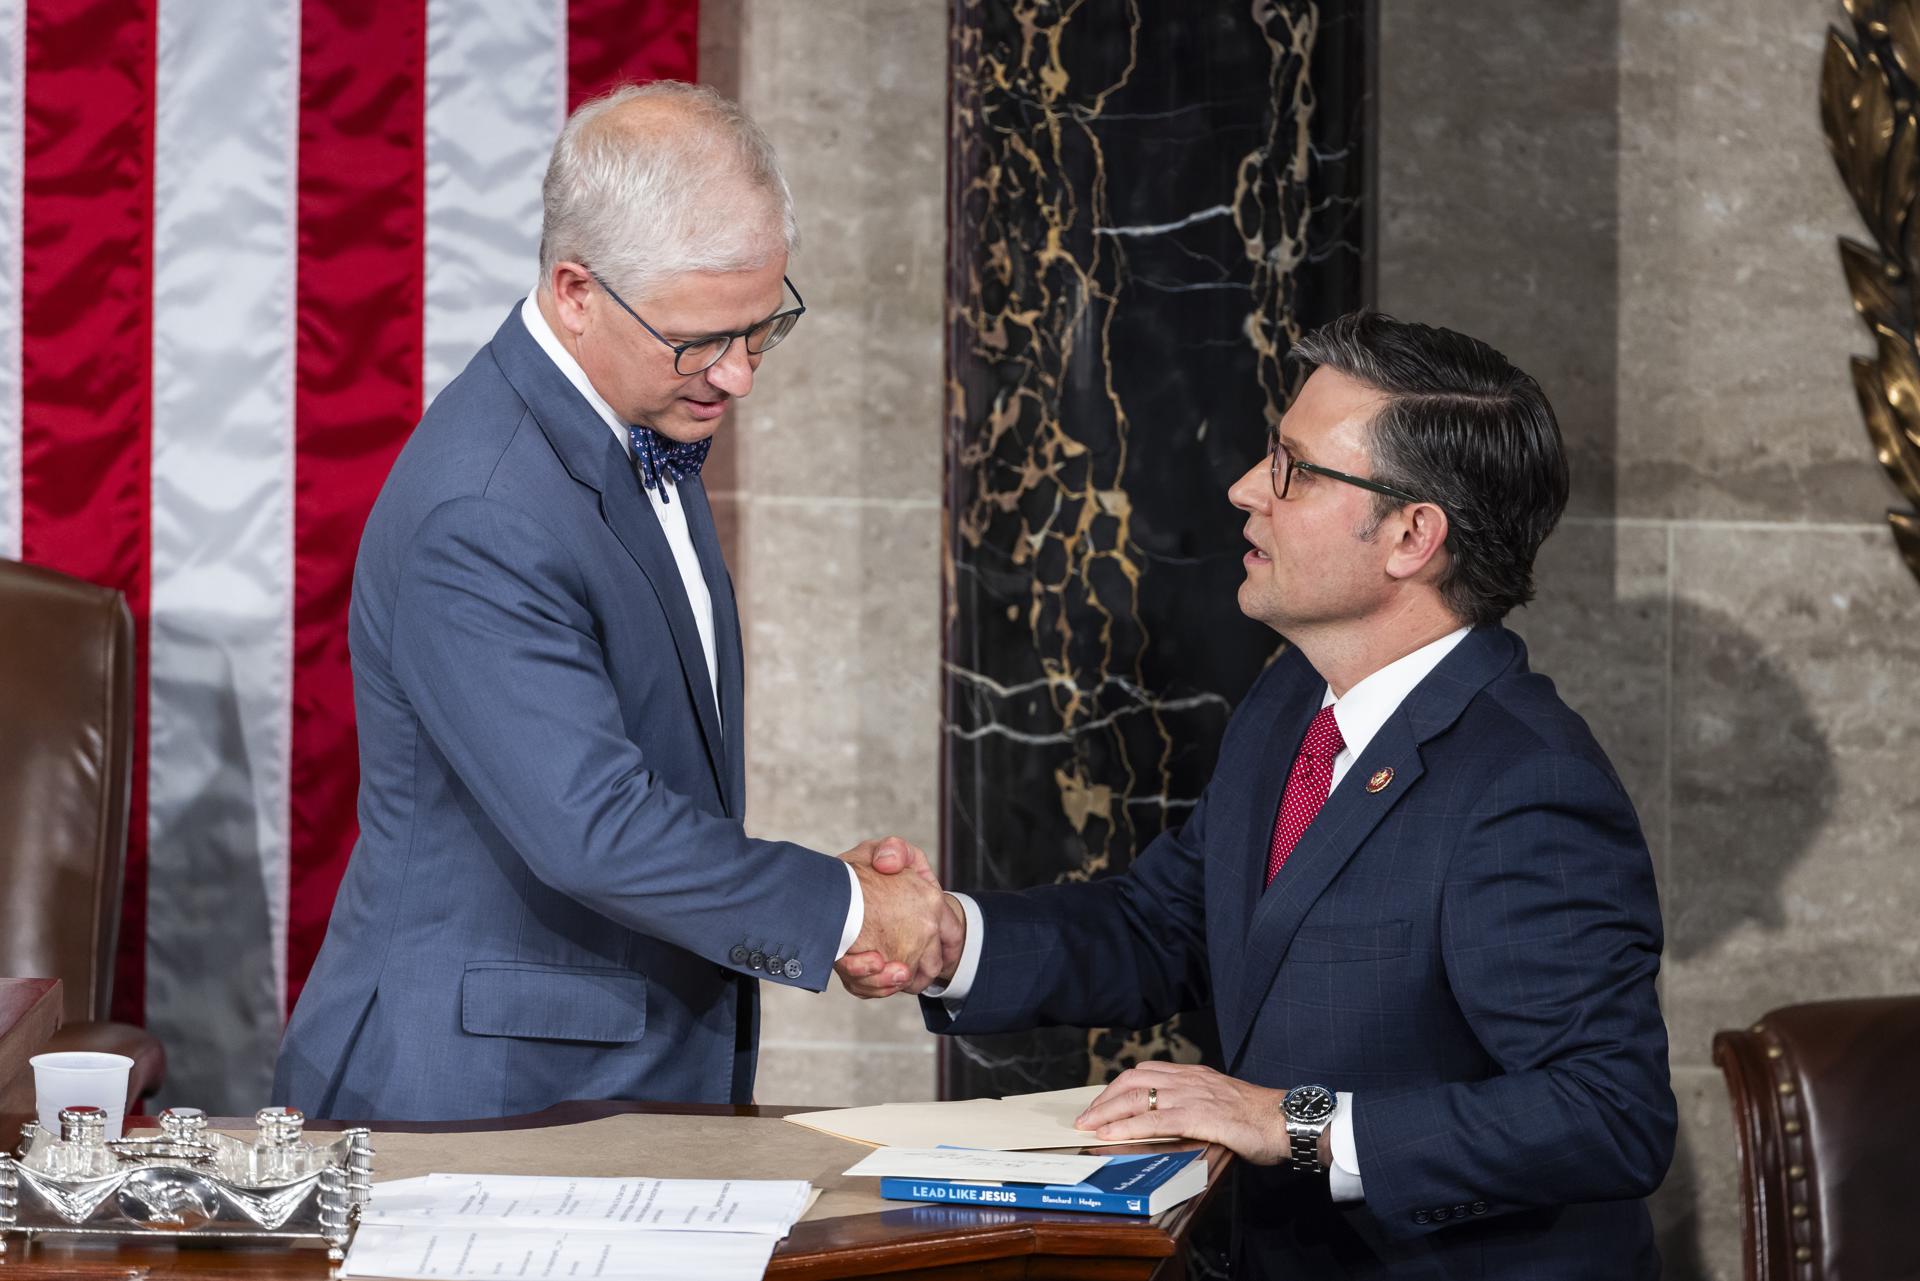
81,1078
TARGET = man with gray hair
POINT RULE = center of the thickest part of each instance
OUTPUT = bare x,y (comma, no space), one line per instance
552,896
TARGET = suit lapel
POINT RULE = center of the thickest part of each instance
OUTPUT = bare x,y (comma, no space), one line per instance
629,514
1348,818
1269,783
592,455
726,638
1245,832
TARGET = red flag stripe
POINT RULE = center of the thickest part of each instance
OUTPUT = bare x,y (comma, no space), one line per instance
360,291
85,206
611,41
87,343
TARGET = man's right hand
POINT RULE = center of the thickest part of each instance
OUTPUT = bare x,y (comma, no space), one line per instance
912,934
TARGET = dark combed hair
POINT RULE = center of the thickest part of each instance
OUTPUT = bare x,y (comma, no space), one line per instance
1465,430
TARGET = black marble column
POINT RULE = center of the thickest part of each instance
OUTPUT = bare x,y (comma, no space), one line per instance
1149,201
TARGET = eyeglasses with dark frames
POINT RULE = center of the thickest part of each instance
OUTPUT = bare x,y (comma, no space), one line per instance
701,354
1282,465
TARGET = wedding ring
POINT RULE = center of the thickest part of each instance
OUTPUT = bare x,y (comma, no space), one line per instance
1153,1097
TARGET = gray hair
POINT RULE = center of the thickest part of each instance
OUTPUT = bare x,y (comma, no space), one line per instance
700,190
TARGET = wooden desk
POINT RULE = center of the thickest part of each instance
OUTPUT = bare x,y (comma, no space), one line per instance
922,1241
29,1016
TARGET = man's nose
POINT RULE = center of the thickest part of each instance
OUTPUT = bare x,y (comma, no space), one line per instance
733,372
1254,490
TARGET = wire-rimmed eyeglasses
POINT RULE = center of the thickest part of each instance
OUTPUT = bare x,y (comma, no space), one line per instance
1282,465
701,354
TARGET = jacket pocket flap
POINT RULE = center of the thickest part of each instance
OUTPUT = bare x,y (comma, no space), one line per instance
1373,941
552,1002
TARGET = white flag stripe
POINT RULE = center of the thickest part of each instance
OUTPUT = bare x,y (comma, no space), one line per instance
220,652
13,84
496,95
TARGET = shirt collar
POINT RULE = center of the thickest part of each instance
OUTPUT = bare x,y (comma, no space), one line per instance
536,323
1371,701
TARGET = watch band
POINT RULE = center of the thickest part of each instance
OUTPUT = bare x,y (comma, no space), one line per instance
1308,1111
1306,1145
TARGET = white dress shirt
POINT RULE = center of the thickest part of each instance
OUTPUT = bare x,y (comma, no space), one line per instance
1360,714
673,522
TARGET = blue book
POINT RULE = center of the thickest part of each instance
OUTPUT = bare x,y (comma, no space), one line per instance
1145,1184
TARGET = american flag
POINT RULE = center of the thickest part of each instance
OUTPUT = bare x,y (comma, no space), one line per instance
242,243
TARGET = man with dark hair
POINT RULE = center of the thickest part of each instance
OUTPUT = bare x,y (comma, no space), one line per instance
1414,891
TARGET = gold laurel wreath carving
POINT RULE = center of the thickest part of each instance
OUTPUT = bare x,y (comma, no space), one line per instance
1868,99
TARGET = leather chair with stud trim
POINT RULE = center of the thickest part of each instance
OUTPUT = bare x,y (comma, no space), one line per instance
1826,1110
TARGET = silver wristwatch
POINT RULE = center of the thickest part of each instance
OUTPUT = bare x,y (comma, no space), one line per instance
1308,1110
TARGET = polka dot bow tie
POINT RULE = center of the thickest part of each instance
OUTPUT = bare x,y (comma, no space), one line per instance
661,461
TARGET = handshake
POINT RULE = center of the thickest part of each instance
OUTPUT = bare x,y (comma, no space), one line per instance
912,933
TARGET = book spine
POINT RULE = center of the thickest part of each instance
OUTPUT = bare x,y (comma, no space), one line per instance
1011,1196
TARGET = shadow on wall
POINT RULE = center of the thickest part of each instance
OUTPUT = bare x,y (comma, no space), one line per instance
1753,784
1752,781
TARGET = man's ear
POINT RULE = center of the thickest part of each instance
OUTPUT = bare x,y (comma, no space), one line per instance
571,284
1422,540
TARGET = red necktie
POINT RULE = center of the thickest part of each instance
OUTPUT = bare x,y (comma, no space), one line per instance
1307,787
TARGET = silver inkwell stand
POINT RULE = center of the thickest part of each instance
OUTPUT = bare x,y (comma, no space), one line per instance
187,1183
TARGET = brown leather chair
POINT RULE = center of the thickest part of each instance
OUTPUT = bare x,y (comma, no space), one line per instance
1826,1112
66,753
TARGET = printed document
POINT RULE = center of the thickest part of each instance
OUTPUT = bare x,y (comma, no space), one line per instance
527,1200
986,1166
460,1226
457,1253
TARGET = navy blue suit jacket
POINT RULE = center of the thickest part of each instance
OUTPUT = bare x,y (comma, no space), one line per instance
1471,951
552,896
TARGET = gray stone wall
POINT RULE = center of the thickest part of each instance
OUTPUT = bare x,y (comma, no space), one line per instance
826,484
1632,199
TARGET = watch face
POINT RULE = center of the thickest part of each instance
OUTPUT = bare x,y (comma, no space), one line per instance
1309,1103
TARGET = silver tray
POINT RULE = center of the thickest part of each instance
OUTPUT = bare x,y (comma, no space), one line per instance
159,1190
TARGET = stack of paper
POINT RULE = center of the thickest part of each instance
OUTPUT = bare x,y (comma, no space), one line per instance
977,1164
1020,1122
465,1225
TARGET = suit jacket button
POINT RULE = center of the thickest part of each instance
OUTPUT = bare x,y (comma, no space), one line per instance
774,966
1420,1216
739,954
1459,1211
1479,1207
1440,1215
793,970
756,960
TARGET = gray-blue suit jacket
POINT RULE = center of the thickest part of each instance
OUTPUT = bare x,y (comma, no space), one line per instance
552,896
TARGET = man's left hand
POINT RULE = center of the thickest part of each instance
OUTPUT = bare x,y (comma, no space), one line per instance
1191,1102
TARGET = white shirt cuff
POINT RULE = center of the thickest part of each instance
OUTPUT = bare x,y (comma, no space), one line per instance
856,913
954,994
1343,1177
